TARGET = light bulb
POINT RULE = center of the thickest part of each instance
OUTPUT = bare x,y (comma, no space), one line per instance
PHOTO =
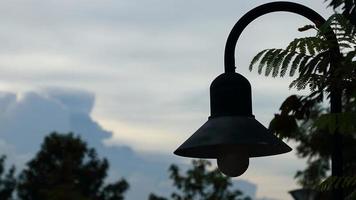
233,165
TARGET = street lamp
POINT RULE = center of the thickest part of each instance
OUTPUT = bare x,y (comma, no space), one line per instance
232,135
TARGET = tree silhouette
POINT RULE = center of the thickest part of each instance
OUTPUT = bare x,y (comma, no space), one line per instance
314,143
322,66
65,168
199,183
7,180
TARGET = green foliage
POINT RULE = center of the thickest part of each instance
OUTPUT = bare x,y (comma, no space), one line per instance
342,28
312,128
65,168
348,7
323,63
311,58
7,180
200,183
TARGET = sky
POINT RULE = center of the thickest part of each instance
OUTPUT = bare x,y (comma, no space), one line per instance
132,77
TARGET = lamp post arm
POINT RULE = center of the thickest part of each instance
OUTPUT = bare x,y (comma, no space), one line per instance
229,58
335,93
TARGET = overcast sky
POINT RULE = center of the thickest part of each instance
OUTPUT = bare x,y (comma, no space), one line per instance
144,67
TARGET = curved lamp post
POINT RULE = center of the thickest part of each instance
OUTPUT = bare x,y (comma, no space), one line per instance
232,135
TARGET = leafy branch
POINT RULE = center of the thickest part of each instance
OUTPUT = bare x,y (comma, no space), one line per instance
323,63
311,57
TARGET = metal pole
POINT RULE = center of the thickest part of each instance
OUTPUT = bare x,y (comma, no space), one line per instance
336,157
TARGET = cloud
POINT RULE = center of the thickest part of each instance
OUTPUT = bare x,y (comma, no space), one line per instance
27,118
147,141
78,101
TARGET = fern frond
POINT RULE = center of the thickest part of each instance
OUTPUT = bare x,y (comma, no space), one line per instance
323,64
304,62
285,63
320,44
307,69
300,83
273,59
325,28
311,65
295,63
302,46
293,45
266,57
310,45
278,62
345,24
346,38
256,58
342,28
316,82
342,44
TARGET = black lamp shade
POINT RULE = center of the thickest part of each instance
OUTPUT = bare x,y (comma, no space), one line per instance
231,128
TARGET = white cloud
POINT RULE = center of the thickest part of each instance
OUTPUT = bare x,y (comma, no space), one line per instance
141,139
